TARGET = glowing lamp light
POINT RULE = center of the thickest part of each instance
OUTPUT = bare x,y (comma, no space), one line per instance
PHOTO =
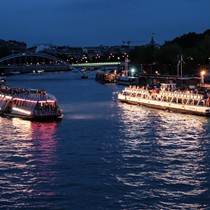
156,72
8,97
202,76
21,110
203,73
50,101
132,71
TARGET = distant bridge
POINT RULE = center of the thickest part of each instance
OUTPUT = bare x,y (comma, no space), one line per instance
27,54
28,62
98,64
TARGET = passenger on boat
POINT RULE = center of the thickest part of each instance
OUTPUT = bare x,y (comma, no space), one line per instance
208,101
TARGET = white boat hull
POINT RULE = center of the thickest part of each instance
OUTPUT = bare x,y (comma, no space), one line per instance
182,108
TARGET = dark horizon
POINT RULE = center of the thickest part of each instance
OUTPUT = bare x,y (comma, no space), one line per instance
124,42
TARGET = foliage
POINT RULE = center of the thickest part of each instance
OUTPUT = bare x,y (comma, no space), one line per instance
195,49
4,51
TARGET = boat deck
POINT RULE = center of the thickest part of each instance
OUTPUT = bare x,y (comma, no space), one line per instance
26,94
180,101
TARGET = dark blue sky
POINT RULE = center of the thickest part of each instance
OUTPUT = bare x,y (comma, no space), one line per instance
101,22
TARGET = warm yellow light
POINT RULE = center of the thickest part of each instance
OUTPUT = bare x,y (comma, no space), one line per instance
203,73
8,97
21,110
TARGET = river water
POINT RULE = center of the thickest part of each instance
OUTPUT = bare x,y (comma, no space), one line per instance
103,154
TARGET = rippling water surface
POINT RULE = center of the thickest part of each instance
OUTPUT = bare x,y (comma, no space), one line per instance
103,154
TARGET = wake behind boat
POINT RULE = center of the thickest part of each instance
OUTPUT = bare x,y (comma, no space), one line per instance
168,98
31,104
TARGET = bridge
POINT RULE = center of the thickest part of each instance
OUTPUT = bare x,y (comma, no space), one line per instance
99,64
29,62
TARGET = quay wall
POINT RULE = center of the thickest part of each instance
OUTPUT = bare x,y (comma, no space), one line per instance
31,69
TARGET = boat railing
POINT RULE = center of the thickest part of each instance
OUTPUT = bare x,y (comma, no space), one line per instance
135,90
42,112
184,97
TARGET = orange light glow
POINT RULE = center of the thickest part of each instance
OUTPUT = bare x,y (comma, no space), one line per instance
203,73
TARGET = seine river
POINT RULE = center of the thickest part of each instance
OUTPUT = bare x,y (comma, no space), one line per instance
103,154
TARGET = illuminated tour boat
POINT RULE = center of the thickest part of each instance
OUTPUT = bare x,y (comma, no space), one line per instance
30,104
169,98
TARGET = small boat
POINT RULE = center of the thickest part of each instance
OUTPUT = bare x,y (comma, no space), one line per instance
14,72
169,98
40,71
29,104
127,80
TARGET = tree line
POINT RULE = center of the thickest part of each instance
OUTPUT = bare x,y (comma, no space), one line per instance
194,48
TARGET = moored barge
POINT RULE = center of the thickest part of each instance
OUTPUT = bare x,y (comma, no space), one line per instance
168,98
29,104
107,76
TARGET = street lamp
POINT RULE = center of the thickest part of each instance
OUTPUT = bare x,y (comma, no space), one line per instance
202,76
132,72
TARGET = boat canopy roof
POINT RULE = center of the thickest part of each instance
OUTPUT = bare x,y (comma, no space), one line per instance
27,94
35,97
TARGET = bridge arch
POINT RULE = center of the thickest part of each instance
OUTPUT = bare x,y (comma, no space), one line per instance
28,62
30,55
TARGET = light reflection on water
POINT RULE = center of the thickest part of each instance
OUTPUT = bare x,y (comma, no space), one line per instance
28,155
104,154
165,153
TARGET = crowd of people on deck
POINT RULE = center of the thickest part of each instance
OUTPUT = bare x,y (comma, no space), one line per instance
15,91
205,95
156,89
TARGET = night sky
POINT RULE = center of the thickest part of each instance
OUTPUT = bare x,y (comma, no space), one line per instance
101,22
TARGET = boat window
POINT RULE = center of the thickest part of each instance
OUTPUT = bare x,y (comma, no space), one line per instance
18,103
31,106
